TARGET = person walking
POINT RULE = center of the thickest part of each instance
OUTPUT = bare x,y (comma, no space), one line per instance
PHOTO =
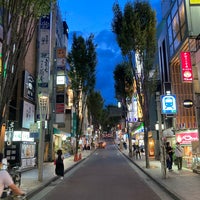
169,156
7,181
138,155
59,169
179,155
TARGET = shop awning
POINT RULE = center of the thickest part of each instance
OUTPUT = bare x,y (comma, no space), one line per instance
59,132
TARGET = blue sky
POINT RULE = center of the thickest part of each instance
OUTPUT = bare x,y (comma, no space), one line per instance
95,16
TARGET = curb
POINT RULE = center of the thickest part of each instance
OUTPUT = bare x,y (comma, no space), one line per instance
48,182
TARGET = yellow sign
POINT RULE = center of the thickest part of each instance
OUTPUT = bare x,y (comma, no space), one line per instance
194,1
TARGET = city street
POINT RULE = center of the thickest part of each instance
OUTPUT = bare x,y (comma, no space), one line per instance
106,175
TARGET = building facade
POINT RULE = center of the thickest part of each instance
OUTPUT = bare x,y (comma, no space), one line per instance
177,48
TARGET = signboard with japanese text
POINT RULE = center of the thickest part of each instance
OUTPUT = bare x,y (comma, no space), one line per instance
187,137
45,22
43,76
186,67
28,114
61,53
168,104
29,86
44,52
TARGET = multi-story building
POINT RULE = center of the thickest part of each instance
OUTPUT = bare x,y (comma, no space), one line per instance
38,75
177,48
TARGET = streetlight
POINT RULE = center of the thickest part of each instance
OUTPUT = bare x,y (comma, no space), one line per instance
43,101
161,142
157,145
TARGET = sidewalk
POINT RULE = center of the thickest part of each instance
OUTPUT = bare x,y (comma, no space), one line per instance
29,179
181,185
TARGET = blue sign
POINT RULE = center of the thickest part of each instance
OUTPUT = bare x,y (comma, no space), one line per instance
168,104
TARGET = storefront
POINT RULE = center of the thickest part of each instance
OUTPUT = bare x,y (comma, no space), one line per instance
22,150
62,140
186,138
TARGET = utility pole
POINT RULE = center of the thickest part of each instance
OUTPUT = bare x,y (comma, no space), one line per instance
162,144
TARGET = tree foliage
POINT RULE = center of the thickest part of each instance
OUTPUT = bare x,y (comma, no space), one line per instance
135,30
95,105
123,81
82,60
19,19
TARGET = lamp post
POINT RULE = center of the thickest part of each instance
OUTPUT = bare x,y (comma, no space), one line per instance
161,142
157,145
43,107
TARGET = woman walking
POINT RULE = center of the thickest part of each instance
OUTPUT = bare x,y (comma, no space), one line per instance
59,170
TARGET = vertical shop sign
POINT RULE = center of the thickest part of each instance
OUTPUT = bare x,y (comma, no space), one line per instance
44,52
29,86
74,125
60,79
186,67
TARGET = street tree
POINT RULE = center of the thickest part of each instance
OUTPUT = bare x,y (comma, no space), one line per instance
82,60
19,19
135,30
123,77
95,104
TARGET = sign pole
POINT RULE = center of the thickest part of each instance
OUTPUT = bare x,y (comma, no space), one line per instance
161,142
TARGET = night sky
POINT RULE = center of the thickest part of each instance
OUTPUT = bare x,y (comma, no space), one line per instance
88,16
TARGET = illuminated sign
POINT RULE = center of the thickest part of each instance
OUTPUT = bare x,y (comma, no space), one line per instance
28,114
168,104
187,137
186,67
194,1
60,80
188,103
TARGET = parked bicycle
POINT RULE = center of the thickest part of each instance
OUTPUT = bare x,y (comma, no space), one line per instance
15,174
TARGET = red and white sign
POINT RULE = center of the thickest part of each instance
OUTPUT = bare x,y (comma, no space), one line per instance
186,67
187,137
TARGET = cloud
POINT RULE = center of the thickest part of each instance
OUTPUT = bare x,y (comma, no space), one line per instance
109,55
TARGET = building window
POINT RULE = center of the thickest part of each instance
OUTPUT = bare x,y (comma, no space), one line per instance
176,26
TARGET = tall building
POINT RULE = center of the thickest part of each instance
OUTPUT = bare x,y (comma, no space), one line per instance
177,48
37,76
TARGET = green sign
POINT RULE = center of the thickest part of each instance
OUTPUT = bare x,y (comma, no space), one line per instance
74,125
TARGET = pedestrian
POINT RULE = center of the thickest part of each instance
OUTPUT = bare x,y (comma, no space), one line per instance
59,169
138,152
179,155
7,181
169,156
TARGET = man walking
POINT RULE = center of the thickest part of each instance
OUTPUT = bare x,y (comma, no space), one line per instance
179,155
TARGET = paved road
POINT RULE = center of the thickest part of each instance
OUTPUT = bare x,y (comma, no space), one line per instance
105,175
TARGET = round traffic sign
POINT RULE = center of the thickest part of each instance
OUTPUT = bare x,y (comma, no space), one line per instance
187,103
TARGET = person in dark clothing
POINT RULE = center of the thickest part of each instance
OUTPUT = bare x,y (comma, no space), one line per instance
59,170
169,156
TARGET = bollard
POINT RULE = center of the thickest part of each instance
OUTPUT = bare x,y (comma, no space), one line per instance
75,157
80,156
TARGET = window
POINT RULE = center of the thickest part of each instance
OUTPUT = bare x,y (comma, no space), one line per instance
176,25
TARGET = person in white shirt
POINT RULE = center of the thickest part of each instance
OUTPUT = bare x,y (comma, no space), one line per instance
6,180
179,155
